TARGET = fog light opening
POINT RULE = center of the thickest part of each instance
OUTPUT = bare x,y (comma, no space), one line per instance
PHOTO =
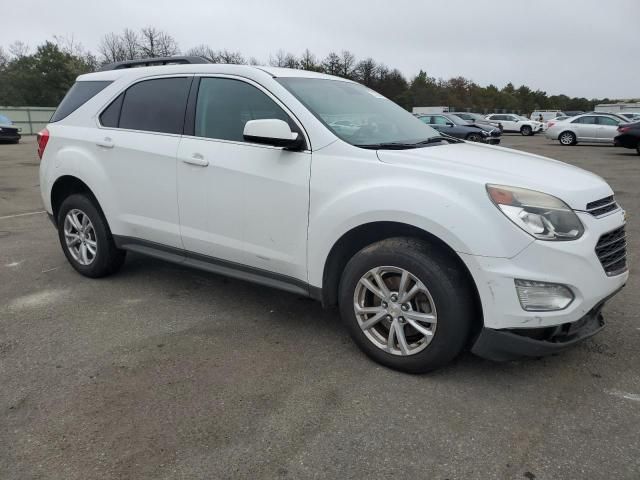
543,296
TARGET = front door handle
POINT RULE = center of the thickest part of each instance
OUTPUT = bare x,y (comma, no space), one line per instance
107,142
196,159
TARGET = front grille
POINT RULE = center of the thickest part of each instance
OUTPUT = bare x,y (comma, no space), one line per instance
612,251
602,206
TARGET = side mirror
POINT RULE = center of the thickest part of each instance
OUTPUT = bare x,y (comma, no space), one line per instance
272,131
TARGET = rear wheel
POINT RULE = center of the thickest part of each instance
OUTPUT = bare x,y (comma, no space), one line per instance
86,239
567,138
406,304
526,131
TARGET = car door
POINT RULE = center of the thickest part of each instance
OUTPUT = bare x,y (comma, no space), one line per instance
137,143
606,129
585,128
511,123
241,202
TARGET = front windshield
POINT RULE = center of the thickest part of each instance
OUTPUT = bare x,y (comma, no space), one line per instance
456,120
357,114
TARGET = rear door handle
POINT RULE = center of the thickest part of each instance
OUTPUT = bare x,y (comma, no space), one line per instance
105,143
196,159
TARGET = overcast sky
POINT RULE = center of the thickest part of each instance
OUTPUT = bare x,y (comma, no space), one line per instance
578,47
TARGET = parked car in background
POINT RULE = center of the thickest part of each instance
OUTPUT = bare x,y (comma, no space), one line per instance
589,128
9,133
546,115
516,123
477,119
628,136
632,116
553,121
457,127
573,113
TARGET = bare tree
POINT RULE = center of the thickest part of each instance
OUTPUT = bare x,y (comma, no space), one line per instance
227,56
19,49
279,59
111,48
255,61
157,43
347,64
366,71
332,64
204,51
130,44
308,61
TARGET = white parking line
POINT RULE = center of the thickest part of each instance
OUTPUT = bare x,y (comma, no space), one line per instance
23,214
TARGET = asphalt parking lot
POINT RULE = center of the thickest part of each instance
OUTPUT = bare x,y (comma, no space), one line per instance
162,372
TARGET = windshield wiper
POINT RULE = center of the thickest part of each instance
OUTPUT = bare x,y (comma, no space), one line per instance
406,146
387,146
446,138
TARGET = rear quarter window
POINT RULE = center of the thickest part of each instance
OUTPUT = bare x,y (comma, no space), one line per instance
77,96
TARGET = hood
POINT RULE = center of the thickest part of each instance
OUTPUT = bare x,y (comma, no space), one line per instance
503,166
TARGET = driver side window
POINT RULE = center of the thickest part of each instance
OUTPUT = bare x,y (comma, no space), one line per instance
225,105
438,120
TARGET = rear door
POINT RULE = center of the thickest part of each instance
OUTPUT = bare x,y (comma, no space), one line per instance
606,129
510,123
137,143
586,128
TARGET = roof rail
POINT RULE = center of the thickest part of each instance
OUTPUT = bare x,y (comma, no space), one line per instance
149,62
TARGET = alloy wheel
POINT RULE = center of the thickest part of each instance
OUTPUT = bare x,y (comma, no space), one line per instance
566,138
395,310
80,237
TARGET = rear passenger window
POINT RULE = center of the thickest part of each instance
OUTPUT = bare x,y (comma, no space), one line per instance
585,120
77,96
153,105
607,121
224,106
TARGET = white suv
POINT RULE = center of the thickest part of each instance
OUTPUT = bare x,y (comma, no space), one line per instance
426,243
515,123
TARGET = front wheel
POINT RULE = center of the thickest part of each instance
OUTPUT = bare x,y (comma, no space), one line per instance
567,138
526,131
474,137
86,239
406,304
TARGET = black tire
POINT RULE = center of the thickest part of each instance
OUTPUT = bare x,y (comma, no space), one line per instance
474,137
567,138
526,131
449,289
108,259
638,148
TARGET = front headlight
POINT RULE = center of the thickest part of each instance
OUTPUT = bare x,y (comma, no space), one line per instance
540,215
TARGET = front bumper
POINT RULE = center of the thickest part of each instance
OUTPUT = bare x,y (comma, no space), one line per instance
503,345
574,264
9,136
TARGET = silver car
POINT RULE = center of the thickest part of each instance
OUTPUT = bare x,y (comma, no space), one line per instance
590,128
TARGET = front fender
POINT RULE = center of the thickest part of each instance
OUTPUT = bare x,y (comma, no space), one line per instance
455,210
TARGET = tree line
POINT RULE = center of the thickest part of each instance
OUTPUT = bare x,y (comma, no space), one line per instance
40,77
